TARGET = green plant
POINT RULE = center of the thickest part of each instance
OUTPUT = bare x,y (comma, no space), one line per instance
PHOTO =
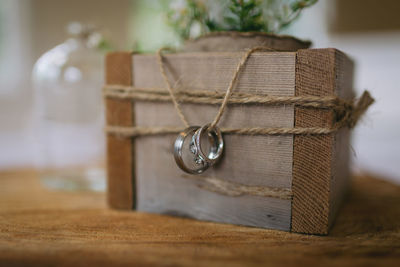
244,16
192,18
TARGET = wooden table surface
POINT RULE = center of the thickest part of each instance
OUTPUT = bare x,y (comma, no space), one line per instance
41,227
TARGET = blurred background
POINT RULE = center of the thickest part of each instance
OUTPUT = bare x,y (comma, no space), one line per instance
369,31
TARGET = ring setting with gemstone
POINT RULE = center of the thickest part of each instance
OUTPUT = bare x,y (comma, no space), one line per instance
201,156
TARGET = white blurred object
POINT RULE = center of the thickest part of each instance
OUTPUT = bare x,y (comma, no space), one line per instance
67,82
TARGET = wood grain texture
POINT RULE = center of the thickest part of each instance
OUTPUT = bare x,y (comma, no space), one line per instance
320,163
341,159
248,160
47,228
120,164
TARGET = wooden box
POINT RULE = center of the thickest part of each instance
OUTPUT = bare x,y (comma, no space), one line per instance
287,182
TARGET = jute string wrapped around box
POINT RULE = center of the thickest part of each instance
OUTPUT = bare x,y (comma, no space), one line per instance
347,112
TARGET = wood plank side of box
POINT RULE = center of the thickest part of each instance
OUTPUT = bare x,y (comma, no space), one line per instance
313,168
320,163
120,164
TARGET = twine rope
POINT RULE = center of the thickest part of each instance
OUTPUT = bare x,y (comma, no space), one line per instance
351,113
125,131
169,86
348,111
213,98
233,189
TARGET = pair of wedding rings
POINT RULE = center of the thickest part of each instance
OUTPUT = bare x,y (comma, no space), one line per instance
202,157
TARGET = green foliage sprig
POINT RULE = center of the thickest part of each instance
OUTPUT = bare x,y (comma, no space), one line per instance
192,18
244,16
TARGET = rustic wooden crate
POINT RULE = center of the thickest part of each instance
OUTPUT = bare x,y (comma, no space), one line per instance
313,169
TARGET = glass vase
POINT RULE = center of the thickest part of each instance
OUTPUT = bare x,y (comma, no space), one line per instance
69,113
